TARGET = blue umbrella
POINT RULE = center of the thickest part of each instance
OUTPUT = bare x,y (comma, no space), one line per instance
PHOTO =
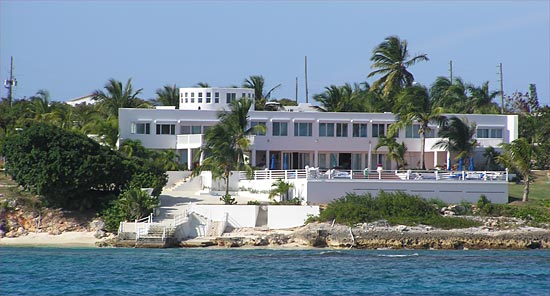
449,164
272,166
285,161
471,167
460,164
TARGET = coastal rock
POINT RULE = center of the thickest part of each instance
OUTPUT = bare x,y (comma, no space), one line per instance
100,234
97,224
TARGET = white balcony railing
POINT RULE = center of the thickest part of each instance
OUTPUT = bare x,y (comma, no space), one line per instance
189,141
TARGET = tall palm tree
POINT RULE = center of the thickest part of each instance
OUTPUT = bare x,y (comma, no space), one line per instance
168,95
395,151
457,137
117,96
281,189
227,142
257,82
343,98
519,155
414,105
202,84
481,99
451,96
391,60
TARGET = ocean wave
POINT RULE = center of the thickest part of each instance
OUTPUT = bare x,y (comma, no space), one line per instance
398,255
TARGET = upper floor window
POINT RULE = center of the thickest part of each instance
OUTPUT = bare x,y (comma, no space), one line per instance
192,97
217,97
190,129
280,129
140,128
493,133
208,97
255,123
302,129
199,99
166,129
326,129
378,130
341,129
411,131
230,97
360,130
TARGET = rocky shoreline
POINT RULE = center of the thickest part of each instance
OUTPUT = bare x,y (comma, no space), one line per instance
398,237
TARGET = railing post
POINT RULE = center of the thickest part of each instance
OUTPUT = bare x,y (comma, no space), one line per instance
507,180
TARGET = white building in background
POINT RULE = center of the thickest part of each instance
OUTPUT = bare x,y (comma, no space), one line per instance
86,100
300,137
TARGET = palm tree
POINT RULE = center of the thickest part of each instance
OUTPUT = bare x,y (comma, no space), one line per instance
117,96
395,151
281,189
202,84
415,105
481,99
257,82
343,98
227,142
391,60
492,157
451,96
458,137
168,95
519,155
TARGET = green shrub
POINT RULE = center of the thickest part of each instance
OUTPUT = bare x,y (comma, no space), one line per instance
396,208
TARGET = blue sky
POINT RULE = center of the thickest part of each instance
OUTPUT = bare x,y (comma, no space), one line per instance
73,48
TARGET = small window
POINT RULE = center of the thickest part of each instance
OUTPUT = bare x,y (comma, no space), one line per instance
280,129
326,129
208,97
302,129
255,123
192,98
359,130
166,129
199,99
216,97
378,130
140,128
342,130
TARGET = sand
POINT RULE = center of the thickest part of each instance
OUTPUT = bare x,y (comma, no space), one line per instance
66,239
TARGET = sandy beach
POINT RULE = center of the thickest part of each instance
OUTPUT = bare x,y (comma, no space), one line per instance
66,239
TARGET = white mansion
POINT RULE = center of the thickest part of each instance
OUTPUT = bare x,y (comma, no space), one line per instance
300,136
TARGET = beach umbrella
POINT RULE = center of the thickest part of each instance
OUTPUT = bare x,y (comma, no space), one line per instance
471,167
285,161
449,164
460,164
272,166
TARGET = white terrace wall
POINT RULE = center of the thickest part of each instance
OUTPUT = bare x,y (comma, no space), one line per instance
239,215
263,186
280,217
322,192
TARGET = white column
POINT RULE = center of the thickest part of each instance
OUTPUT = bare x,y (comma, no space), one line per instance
201,157
316,159
253,157
448,159
189,158
435,158
370,155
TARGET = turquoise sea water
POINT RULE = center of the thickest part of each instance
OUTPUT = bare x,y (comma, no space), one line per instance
79,271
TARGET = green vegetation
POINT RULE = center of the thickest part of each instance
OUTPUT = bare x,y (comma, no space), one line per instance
535,215
281,189
396,208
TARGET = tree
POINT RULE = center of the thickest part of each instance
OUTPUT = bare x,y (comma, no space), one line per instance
492,158
395,151
281,189
391,61
519,155
451,96
481,99
415,105
226,144
202,85
257,82
168,95
458,137
68,169
339,98
117,96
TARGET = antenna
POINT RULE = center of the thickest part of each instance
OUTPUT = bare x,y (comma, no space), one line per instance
10,83
296,95
501,88
451,70
305,66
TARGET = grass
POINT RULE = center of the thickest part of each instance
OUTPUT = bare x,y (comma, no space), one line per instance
539,191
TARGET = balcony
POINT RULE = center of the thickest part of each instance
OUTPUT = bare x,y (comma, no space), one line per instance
189,141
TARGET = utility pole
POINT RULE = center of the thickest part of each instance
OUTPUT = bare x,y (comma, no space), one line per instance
296,95
10,83
451,70
305,66
501,89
